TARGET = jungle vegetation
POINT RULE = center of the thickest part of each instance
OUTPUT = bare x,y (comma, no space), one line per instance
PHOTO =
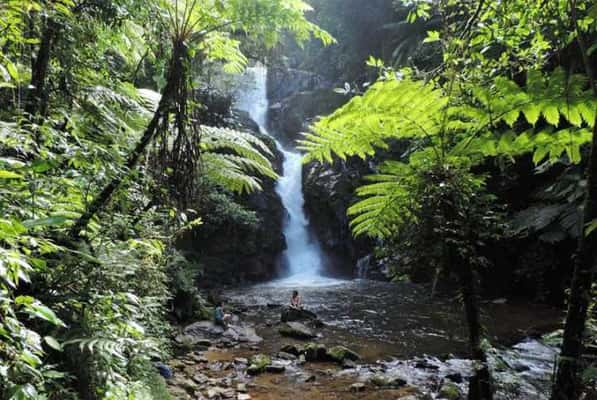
516,77
106,152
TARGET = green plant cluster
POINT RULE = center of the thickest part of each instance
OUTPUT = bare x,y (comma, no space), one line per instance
102,147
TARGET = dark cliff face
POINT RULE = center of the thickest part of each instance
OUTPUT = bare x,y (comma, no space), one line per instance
241,239
329,191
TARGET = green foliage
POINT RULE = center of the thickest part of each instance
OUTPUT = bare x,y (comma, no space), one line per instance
445,132
71,112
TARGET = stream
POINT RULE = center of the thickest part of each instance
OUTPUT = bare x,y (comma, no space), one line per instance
401,334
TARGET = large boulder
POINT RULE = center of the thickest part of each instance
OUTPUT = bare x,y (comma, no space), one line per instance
290,314
340,353
203,329
242,334
296,330
315,352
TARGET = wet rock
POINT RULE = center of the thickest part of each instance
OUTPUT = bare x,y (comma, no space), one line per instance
291,349
348,364
187,384
357,387
341,353
296,330
200,378
241,387
384,381
242,334
218,392
275,368
258,364
241,360
449,391
286,356
290,314
176,364
186,341
179,393
424,364
310,378
201,329
329,191
198,358
315,352
455,377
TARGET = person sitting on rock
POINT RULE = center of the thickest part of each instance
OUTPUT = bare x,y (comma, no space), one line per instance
295,301
221,318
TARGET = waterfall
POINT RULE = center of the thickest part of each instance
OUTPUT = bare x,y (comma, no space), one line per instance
303,256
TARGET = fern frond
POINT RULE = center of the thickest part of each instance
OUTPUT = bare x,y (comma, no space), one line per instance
389,109
230,157
387,201
229,171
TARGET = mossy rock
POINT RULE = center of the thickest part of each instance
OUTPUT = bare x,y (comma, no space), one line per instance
449,391
384,381
315,352
258,363
341,353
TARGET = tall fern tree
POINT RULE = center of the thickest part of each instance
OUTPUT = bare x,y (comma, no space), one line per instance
448,136
204,26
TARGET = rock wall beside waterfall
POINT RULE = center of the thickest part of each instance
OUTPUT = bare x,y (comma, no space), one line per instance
329,191
242,238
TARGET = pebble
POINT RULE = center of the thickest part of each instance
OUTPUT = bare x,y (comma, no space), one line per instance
357,387
241,387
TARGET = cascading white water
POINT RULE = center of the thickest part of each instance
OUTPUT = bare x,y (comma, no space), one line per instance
303,255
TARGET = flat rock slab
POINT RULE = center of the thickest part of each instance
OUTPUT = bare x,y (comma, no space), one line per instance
296,330
196,333
202,328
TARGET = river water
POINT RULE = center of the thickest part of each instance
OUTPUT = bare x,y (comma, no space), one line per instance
398,330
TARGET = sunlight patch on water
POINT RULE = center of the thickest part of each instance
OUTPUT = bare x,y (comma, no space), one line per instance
305,280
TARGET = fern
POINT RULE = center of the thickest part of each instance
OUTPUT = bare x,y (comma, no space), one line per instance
387,201
448,132
229,157
390,109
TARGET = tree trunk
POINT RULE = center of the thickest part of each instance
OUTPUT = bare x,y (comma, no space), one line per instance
566,385
174,78
37,101
480,385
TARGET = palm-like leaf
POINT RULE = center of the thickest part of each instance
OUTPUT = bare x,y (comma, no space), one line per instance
232,158
390,109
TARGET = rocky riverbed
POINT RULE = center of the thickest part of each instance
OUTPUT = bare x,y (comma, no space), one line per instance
412,348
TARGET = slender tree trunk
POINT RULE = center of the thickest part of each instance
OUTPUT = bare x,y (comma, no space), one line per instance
480,385
567,385
37,101
172,89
